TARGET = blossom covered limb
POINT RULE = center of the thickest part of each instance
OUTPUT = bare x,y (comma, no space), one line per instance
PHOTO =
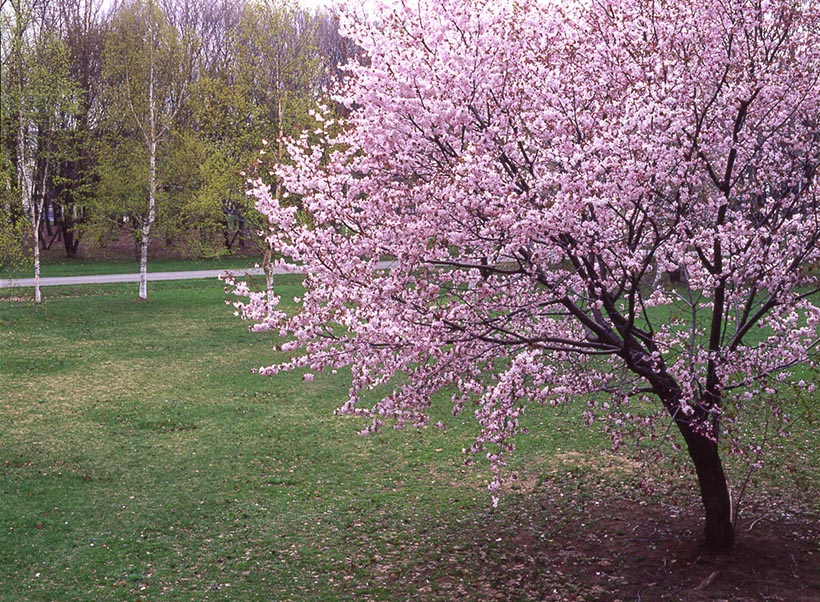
533,172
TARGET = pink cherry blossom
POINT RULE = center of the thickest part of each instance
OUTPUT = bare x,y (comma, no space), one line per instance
535,171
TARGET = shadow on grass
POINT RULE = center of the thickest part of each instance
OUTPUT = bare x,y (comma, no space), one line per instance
558,545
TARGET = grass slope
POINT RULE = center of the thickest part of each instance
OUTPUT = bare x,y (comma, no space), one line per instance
140,459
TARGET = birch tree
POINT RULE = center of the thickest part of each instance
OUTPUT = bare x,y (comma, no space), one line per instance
279,70
42,94
147,70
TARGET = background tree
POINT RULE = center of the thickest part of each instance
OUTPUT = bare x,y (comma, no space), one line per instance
147,70
17,21
335,49
227,76
44,101
82,25
12,230
280,72
12,221
531,168
221,118
231,143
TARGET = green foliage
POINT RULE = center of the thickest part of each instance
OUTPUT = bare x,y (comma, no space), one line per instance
52,98
280,63
12,232
228,143
122,193
146,64
267,96
181,179
12,221
225,78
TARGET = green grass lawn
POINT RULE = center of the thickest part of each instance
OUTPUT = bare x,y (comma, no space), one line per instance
141,459
140,456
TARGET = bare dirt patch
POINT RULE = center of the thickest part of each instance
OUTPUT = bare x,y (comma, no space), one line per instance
634,552
573,538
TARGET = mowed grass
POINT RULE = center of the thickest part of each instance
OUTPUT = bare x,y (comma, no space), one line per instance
141,459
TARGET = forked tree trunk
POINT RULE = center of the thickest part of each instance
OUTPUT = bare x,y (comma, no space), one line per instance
70,241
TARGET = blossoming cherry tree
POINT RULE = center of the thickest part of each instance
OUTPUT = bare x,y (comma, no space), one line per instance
533,171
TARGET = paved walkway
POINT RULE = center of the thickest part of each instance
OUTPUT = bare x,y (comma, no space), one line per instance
135,277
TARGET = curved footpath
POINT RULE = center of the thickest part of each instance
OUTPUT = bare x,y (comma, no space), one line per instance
135,277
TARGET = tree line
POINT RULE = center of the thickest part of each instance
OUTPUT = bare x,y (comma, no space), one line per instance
148,115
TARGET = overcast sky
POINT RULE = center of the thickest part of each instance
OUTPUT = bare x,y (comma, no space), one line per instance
306,3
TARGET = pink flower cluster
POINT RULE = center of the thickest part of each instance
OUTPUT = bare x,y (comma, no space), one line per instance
534,172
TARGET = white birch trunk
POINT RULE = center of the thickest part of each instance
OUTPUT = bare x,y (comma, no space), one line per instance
152,184
143,294
267,266
27,200
37,219
146,226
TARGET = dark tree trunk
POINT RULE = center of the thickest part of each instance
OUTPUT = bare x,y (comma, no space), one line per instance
47,209
703,449
714,490
226,234
70,242
243,232
54,236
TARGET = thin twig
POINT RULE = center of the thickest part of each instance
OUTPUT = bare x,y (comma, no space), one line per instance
757,520
707,582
